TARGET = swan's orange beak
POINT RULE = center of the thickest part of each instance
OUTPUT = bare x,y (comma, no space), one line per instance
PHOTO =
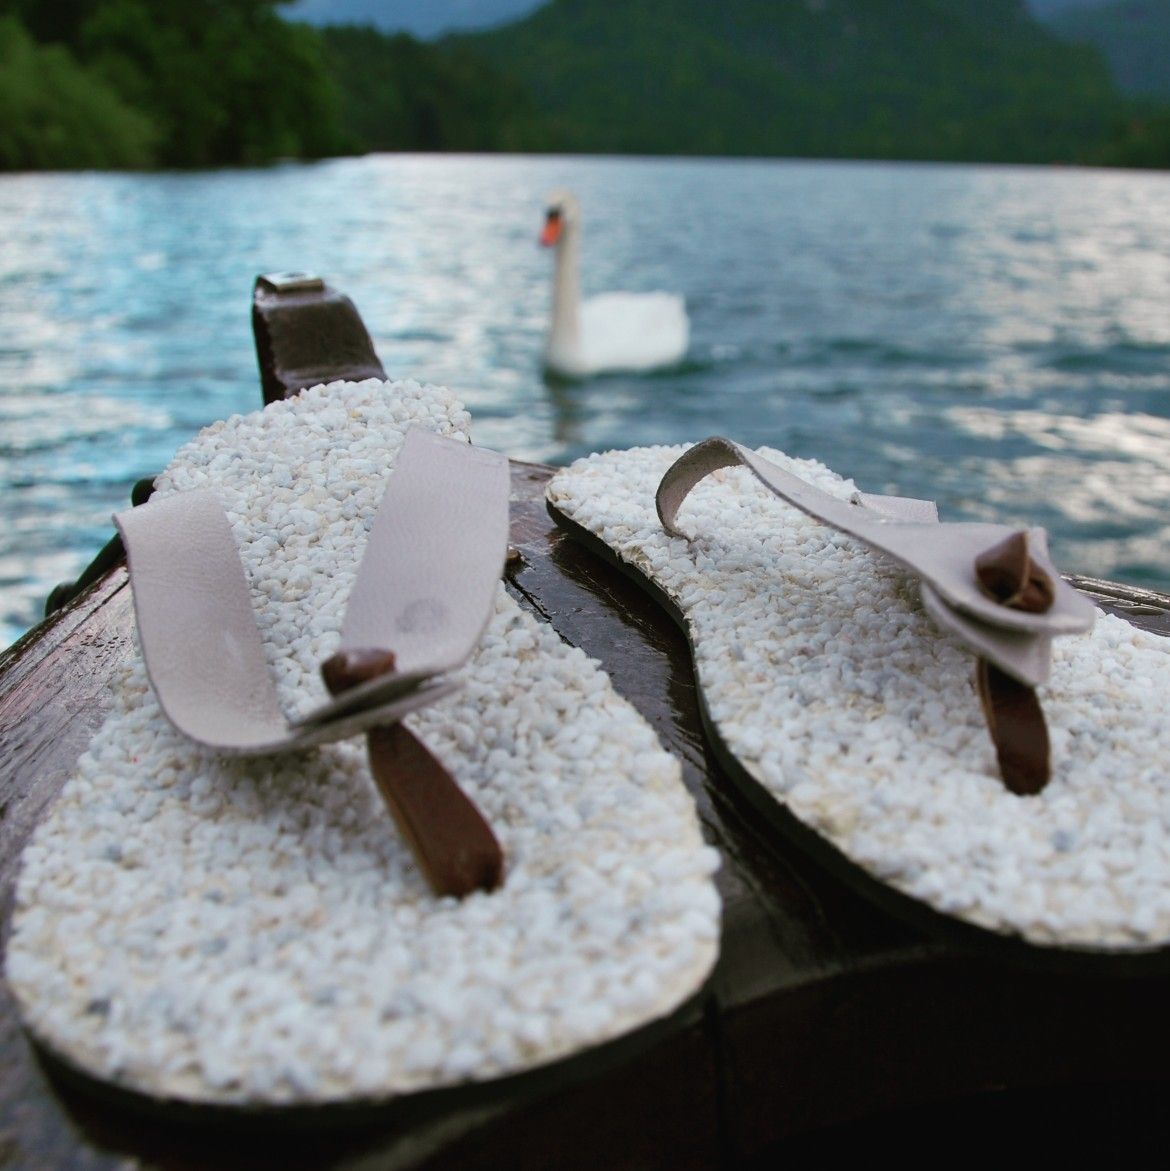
553,224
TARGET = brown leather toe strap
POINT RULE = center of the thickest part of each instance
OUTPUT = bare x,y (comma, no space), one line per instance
1007,573
450,838
1018,731
1009,576
452,843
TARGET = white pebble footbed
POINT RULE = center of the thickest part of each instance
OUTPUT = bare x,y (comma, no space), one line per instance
255,932
833,690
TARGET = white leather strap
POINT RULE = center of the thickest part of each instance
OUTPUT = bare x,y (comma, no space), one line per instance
424,590
943,556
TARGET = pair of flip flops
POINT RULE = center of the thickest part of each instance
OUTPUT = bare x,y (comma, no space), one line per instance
252,930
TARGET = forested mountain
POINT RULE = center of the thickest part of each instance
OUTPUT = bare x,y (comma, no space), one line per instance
1043,9
927,79
1134,35
143,83
401,94
139,83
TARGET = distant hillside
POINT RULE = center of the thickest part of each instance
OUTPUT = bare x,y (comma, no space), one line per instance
1134,35
398,93
129,83
1045,9
922,79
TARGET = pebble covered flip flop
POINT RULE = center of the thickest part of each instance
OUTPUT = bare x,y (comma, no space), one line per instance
254,930
851,666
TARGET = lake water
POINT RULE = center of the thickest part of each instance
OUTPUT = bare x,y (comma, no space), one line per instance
997,339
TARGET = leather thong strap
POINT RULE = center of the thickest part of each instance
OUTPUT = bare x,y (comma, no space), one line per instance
992,586
423,594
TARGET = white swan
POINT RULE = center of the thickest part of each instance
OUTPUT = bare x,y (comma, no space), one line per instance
613,331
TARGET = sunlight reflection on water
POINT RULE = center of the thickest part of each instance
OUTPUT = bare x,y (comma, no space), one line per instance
996,338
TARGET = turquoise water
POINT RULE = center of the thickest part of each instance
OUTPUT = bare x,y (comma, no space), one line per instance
995,338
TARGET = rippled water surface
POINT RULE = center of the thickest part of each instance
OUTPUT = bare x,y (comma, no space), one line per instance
995,338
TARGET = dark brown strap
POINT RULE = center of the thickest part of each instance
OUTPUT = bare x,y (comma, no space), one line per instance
1016,723
452,842
1008,574
352,668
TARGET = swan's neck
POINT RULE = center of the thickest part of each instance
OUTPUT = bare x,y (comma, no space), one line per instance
564,339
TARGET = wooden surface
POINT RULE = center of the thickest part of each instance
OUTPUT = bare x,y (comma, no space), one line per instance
827,1029
822,1011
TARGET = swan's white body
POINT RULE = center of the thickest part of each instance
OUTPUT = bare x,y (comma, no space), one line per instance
612,331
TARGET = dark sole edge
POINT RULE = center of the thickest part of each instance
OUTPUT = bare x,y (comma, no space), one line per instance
407,1110
980,942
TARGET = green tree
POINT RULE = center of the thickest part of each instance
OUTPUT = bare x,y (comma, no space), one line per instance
226,81
1143,141
401,94
928,79
51,21
55,115
208,82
